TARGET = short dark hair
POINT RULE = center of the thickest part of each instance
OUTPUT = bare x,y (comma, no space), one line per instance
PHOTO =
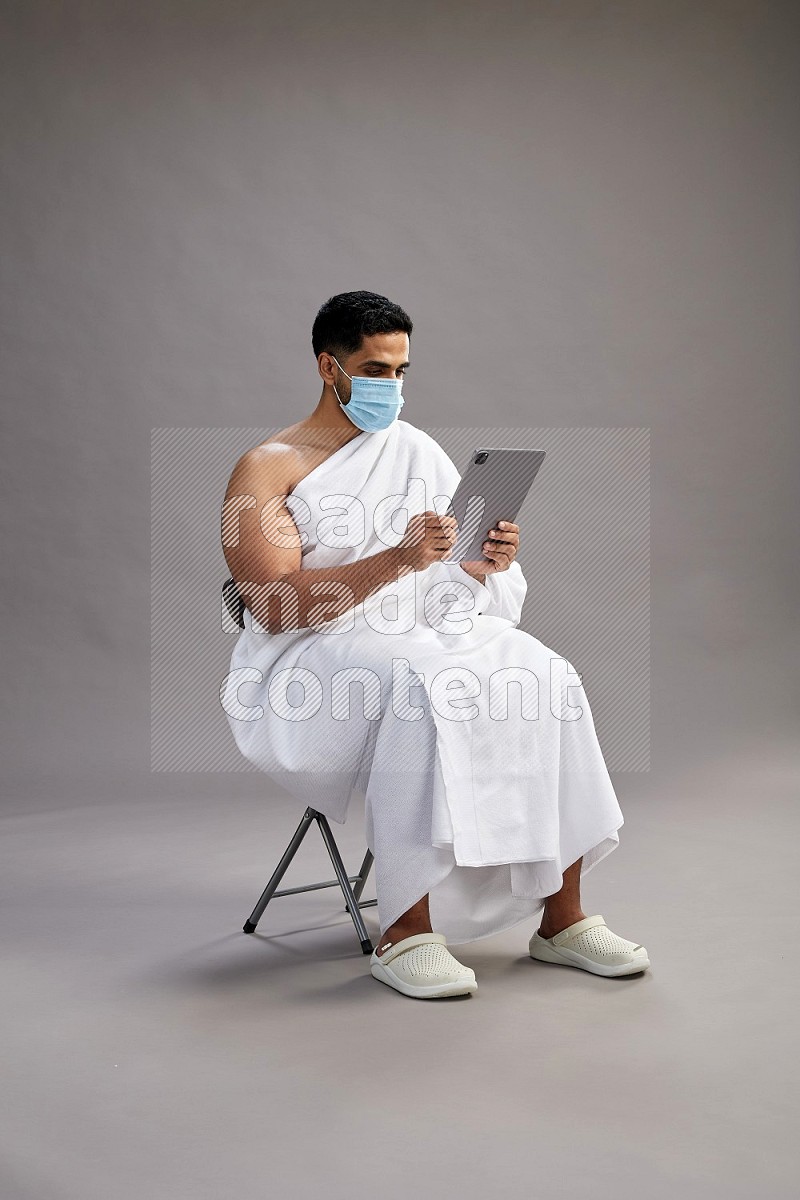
345,320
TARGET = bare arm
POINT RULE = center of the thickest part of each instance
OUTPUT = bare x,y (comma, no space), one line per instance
262,548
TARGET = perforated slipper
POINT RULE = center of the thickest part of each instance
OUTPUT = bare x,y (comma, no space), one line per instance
591,945
422,966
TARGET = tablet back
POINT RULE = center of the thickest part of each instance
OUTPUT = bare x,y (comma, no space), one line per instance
492,489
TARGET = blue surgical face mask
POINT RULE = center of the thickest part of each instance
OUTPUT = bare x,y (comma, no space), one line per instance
373,403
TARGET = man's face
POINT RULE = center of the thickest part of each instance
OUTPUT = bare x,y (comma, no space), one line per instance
381,356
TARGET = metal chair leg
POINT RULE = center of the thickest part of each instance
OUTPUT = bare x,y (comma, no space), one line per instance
352,895
344,882
280,870
362,877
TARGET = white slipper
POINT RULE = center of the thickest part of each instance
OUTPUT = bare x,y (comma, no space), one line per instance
591,945
422,966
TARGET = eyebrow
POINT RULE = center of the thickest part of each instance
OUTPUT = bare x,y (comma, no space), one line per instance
374,362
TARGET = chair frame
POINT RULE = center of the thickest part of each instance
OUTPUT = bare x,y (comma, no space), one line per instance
352,895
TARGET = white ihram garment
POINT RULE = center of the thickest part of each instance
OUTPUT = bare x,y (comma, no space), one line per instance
472,793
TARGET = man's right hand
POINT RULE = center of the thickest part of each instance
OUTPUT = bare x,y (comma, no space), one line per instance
427,539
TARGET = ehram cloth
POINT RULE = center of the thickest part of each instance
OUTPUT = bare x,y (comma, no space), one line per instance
469,742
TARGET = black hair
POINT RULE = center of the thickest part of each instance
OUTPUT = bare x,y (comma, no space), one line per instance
345,320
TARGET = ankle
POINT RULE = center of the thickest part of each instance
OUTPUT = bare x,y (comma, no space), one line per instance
396,933
552,924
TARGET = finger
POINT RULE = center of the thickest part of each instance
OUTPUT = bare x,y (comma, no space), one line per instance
502,535
496,552
502,544
437,522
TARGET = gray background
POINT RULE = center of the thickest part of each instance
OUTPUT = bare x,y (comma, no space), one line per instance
589,208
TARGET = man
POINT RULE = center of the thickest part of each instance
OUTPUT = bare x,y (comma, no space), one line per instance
477,816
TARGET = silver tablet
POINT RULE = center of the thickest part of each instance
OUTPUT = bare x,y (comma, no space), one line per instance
492,489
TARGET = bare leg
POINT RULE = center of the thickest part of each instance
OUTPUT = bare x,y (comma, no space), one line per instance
416,920
563,908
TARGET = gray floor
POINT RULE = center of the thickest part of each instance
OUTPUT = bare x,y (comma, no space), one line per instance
153,1050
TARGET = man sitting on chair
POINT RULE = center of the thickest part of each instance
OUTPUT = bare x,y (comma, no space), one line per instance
479,816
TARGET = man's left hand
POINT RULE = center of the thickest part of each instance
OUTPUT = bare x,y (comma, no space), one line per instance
499,551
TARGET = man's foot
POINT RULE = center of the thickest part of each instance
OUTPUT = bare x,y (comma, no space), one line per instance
396,933
550,926
589,944
416,919
421,966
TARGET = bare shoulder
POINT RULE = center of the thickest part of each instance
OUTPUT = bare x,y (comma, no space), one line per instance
271,466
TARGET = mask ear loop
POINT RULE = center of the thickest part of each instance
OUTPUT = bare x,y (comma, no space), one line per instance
341,368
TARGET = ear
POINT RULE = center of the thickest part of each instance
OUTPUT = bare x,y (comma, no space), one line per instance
326,366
